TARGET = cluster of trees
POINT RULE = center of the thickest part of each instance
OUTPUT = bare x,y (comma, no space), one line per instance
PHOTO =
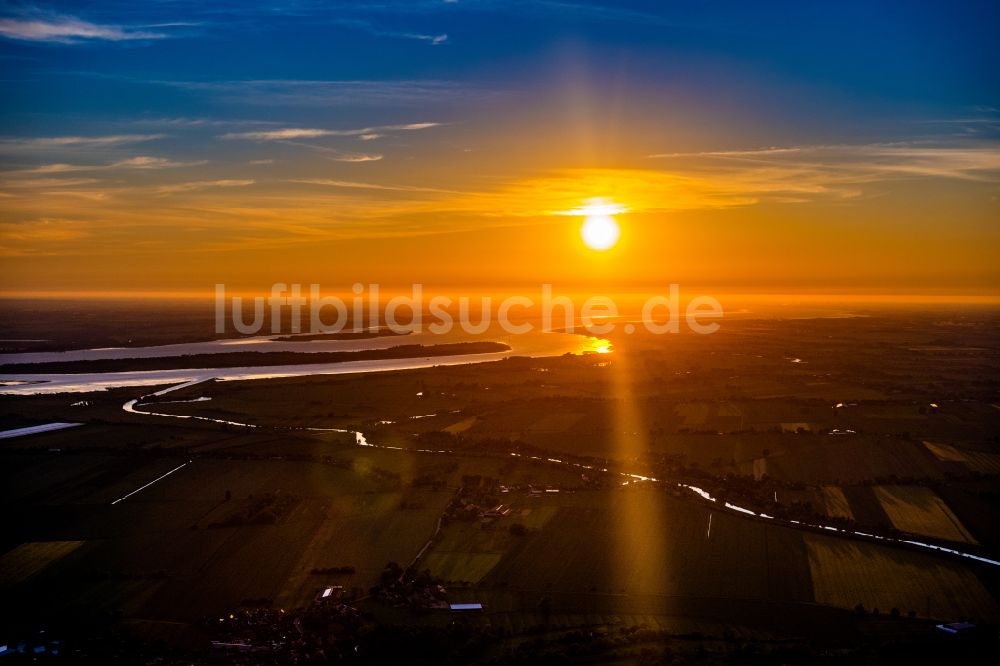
323,571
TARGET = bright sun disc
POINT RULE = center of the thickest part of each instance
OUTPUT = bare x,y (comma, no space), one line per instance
600,232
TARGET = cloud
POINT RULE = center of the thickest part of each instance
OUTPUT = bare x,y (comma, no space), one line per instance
338,155
837,165
692,181
357,157
729,153
565,191
35,183
350,184
68,30
183,122
290,135
968,163
980,120
202,185
55,168
326,93
139,162
408,126
287,133
283,134
146,162
82,141
39,231
88,195
433,39
367,26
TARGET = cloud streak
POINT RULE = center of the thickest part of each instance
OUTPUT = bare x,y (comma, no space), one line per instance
69,30
202,185
435,40
142,162
367,26
327,93
350,184
357,157
858,163
35,237
287,133
45,183
290,135
81,141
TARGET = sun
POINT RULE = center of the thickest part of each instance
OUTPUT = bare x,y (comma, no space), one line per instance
600,232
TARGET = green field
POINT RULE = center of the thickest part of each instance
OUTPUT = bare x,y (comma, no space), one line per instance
846,574
919,510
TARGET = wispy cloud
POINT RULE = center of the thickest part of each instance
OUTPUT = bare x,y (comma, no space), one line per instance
96,196
857,163
350,184
69,30
368,26
312,133
58,168
357,157
757,152
981,121
335,154
84,141
433,39
689,181
327,93
144,162
147,162
46,183
290,135
37,25
202,185
282,134
226,214
182,122
36,237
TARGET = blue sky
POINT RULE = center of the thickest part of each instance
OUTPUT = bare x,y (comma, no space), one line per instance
865,59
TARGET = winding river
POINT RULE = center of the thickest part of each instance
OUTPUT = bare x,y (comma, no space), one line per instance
627,478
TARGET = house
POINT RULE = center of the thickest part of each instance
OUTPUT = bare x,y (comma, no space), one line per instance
957,628
330,593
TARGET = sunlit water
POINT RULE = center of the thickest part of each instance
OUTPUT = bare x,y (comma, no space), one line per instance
534,344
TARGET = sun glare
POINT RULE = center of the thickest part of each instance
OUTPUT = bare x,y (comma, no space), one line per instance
600,232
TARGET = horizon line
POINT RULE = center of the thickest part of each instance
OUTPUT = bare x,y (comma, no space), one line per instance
814,297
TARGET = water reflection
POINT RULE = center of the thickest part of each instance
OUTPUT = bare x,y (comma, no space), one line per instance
533,344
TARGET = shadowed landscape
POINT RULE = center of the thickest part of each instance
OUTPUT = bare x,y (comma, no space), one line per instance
509,484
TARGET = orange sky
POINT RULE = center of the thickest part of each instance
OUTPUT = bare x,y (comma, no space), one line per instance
732,230
735,175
